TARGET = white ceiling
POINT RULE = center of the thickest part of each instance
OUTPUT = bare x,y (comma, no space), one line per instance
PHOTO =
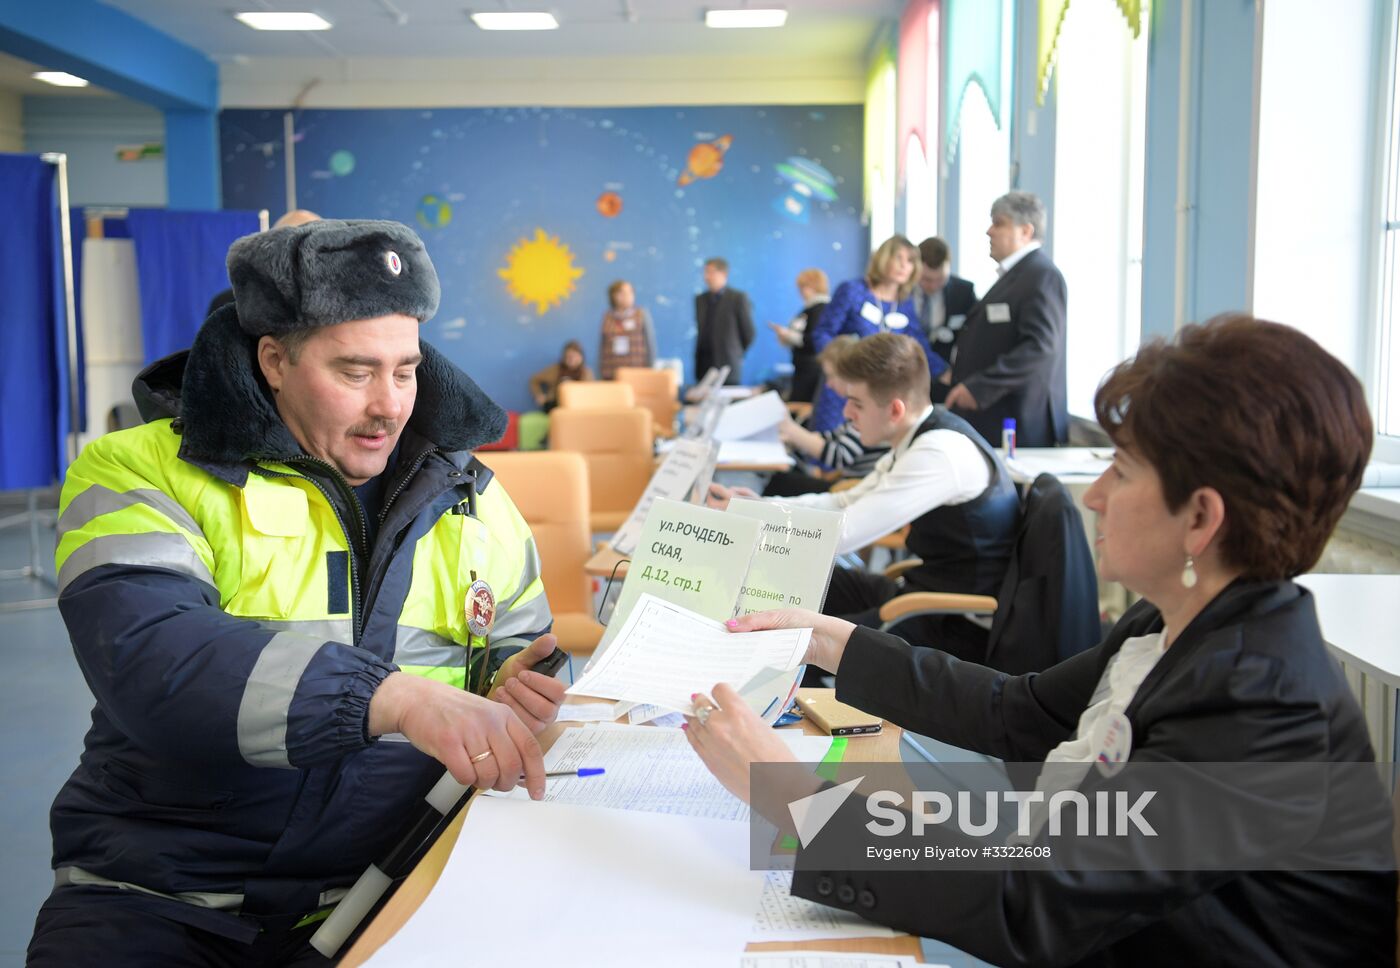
14,76
840,29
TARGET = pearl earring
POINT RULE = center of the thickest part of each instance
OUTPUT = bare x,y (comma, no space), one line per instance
1188,574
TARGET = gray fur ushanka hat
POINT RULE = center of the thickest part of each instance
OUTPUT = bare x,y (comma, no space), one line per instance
328,272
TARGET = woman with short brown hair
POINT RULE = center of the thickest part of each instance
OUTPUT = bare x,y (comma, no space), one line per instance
1239,445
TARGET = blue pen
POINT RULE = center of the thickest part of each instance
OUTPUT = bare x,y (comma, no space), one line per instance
583,771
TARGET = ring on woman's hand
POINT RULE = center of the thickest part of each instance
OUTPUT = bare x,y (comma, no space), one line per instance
703,714
480,756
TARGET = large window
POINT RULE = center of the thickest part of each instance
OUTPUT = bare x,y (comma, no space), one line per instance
880,108
920,199
1101,102
1388,339
984,175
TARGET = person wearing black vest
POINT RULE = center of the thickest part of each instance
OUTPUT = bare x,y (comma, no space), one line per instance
940,478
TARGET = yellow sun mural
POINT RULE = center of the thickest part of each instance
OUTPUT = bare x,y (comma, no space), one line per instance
540,271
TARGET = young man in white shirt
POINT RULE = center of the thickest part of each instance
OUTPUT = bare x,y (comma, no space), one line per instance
939,477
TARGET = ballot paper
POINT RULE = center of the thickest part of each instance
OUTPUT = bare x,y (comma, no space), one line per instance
664,653
782,917
756,417
643,885
829,959
649,770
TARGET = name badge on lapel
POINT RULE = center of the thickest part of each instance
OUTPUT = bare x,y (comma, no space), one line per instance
871,313
896,320
1114,743
998,313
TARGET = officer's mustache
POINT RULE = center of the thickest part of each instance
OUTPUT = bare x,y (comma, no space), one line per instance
386,427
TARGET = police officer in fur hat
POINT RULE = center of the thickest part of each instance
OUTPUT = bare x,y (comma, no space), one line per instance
294,557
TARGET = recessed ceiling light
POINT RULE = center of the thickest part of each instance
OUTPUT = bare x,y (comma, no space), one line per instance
283,20
515,20
749,17
59,78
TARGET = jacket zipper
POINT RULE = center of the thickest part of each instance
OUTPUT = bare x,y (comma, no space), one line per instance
404,482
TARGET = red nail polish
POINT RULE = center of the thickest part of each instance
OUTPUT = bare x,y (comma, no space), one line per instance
685,725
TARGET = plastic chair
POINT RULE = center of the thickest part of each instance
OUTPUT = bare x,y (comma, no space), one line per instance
1047,608
617,445
551,490
658,391
596,395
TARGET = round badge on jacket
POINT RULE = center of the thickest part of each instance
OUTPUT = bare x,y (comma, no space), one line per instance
1114,743
896,320
391,259
480,608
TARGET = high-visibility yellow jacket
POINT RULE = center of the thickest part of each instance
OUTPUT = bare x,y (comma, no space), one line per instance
233,623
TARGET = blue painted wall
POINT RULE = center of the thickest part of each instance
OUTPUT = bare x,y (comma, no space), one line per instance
1032,155
88,130
129,57
475,182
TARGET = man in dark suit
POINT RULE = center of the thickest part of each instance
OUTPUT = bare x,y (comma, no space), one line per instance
1009,359
723,323
942,299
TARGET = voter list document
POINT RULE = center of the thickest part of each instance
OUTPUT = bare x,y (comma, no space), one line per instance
648,769
664,654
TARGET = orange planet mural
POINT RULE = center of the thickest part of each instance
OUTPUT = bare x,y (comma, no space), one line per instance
609,204
705,160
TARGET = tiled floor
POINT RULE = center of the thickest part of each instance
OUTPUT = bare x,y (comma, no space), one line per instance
44,712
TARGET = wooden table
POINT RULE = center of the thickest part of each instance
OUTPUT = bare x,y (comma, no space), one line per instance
604,560
882,747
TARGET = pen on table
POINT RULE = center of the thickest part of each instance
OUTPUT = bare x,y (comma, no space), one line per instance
581,771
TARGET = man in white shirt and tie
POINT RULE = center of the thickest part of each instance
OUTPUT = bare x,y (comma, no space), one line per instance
943,300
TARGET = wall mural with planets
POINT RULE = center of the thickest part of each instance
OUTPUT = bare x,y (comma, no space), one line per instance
530,213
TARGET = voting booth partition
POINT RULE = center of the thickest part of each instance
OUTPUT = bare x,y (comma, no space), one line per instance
39,371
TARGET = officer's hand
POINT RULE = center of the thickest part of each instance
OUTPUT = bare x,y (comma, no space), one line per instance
456,727
534,697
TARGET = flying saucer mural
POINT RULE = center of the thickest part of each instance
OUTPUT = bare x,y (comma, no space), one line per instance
804,181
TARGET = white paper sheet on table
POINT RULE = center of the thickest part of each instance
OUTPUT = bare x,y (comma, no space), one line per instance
589,712
782,917
751,417
664,653
753,452
649,770
639,885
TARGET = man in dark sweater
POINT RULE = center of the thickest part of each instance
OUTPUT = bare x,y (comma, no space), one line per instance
723,324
